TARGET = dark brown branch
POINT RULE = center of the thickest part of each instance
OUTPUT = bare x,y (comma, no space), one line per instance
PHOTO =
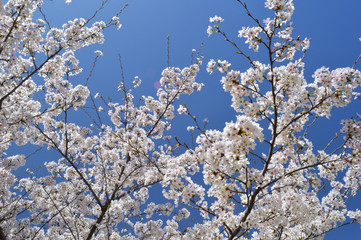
2,234
28,77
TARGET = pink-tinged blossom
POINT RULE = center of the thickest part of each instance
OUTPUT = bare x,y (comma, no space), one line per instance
210,31
210,66
252,36
216,19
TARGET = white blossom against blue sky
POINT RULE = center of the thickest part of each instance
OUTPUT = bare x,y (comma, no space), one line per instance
333,26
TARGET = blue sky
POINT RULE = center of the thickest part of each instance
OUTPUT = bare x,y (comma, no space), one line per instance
334,27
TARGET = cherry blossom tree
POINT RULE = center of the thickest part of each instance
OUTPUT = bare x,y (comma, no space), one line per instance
125,177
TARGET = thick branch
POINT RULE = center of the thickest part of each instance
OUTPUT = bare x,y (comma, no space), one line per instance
2,234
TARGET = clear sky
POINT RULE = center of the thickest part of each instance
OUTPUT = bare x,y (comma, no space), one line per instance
334,26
